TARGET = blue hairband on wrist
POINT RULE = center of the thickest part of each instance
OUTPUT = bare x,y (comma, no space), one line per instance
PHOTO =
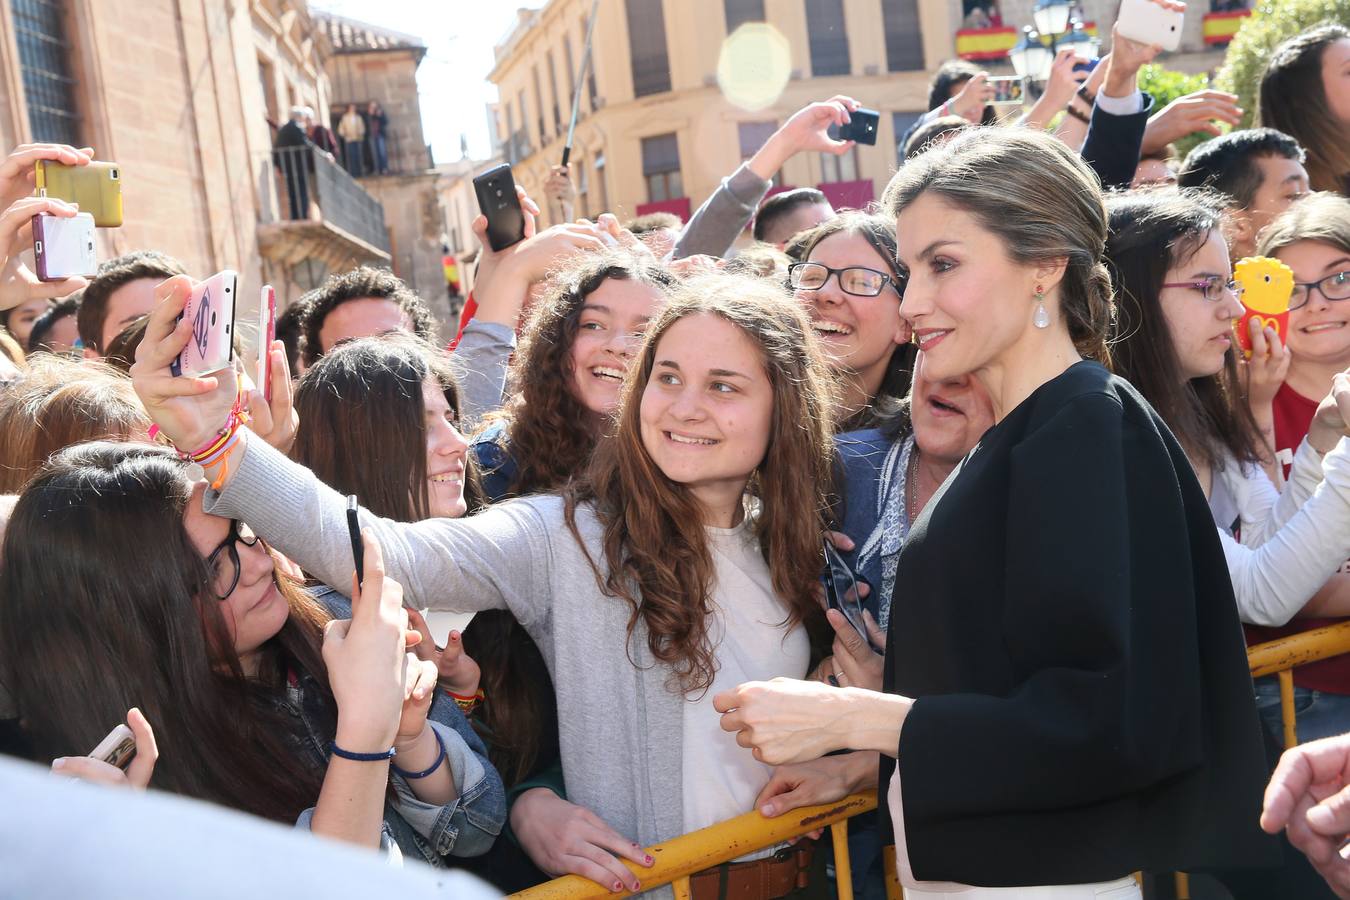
362,757
440,758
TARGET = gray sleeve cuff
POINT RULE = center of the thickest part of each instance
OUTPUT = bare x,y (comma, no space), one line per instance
482,358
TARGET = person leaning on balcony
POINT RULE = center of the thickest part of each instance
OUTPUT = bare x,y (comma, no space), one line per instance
291,156
724,215
352,130
1067,699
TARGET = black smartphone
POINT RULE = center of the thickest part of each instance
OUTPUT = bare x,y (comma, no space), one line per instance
861,127
354,531
841,590
496,190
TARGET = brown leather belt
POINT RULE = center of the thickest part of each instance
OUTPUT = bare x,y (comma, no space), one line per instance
760,879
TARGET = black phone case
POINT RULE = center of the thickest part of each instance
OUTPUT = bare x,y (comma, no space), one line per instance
496,190
861,127
358,549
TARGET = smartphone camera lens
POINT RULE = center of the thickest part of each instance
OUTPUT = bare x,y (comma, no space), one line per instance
113,174
499,192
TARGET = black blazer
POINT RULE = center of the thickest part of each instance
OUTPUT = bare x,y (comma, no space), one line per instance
1064,615
1113,143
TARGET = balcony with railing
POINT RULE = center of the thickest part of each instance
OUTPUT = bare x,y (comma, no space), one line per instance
311,208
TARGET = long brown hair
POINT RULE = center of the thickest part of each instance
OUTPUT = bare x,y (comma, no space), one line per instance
657,557
550,431
94,624
1293,99
363,431
879,232
363,424
1151,232
60,402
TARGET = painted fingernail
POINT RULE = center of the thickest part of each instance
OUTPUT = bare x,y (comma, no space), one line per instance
649,860
617,887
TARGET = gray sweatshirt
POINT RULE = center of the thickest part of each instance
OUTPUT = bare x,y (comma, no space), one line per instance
481,357
723,216
620,725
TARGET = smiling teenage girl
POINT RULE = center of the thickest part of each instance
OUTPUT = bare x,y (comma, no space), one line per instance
682,562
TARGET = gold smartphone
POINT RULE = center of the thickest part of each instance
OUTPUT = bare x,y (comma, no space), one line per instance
96,188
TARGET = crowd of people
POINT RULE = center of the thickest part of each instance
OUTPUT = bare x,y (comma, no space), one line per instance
1007,404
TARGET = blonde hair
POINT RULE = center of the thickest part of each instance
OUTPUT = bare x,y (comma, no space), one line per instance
60,402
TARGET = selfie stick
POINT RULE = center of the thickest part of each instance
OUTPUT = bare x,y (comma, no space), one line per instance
581,79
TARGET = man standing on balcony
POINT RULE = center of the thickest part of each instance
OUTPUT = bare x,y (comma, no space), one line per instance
293,156
352,130
377,123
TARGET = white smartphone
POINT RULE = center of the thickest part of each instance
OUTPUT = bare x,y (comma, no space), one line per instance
1149,22
211,310
117,749
64,247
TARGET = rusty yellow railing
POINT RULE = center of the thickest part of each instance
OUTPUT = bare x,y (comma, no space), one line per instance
688,854
1281,656
681,857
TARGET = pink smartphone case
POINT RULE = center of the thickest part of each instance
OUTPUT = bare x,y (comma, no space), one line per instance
211,310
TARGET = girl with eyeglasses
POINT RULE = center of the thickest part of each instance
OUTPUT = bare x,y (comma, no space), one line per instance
1313,239
122,593
851,288
1175,344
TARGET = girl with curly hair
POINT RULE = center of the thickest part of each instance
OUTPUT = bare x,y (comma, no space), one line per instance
683,561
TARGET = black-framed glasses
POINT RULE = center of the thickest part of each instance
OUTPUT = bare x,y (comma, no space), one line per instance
239,533
859,281
1333,287
1211,288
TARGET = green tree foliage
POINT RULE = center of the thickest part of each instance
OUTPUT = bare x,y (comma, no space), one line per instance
1269,25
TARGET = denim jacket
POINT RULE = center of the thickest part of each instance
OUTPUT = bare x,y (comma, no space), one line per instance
468,825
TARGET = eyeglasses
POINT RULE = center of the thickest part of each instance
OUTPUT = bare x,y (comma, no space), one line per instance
859,281
1333,287
841,590
1212,288
239,534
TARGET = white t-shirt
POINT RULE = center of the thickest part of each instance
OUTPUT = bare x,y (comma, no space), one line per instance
747,628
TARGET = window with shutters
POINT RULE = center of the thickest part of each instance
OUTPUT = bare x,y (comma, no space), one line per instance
44,54
661,167
539,106
741,11
904,42
827,38
571,70
647,47
752,136
839,168
553,93
601,190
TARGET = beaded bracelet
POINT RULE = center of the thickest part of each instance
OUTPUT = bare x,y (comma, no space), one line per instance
440,758
362,757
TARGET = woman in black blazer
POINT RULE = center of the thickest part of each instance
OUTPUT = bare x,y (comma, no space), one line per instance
1066,687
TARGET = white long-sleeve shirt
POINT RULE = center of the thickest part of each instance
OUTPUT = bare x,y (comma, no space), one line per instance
1288,543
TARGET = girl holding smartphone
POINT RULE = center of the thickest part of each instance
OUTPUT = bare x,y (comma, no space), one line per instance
683,561
263,702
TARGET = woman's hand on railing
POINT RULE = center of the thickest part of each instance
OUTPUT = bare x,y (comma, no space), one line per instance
823,780
565,839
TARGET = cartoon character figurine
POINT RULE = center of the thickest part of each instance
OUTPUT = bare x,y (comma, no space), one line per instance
1266,287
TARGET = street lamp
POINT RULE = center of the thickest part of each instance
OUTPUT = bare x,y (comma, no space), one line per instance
1052,17
1031,59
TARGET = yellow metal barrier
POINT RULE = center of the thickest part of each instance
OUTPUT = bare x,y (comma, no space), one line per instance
1281,656
689,854
681,857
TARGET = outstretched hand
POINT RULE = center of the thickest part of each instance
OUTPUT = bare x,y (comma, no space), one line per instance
1308,799
18,283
